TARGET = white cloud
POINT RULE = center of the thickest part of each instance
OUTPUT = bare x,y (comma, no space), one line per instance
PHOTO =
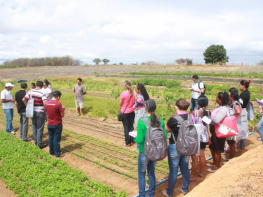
130,31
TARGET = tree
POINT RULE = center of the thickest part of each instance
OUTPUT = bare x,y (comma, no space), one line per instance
97,61
105,61
189,61
215,54
260,63
121,63
180,61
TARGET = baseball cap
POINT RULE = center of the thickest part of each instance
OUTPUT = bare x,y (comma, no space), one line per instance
150,105
9,85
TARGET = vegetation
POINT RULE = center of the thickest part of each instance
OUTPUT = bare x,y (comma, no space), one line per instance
97,61
215,54
186,61
46,61
105,61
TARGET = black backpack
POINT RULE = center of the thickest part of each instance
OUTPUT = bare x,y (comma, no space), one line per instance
200,88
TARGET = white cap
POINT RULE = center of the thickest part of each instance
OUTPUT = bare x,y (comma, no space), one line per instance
9,85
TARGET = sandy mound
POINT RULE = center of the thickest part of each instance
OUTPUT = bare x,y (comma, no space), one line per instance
242,176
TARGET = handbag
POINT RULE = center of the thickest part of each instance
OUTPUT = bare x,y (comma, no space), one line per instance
30,107
119,114
227,127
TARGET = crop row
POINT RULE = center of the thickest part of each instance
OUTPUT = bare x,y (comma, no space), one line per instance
42,174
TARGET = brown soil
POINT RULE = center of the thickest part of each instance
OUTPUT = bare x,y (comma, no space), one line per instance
5,192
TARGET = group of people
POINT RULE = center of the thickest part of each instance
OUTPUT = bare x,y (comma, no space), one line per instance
136,105
46,107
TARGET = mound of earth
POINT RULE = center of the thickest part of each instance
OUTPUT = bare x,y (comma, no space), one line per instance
241,176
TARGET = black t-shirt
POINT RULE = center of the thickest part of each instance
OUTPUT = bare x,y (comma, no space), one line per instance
21,108
175,126
245,96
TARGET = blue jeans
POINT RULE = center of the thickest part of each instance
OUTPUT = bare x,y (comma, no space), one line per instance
9,118
127,122
23,126
144,163
54,132
175,160
260,128
38,122
242,144
194,104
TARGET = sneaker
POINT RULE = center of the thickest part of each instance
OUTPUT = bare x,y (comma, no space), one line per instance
13,132
27,140
43,146
61,155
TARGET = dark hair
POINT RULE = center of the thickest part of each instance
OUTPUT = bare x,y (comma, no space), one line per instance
182,104
245,83
195,76
80,79
224,97
39,84
24,85
47,82
57,94
202,101
234,93
143,91
33,84
154,120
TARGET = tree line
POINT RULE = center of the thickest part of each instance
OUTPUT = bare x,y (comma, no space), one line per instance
46,61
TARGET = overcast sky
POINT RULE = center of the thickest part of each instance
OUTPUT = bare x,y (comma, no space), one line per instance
131,31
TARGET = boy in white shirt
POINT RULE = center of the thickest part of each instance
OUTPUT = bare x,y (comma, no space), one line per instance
197,89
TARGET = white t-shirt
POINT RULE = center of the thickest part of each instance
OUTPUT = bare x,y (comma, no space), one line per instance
46,90
5,94
195,95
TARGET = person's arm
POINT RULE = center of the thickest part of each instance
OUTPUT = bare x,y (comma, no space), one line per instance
50,87
170,124
237,109
220,115
24,100
141,128
163,126
84,90
261,110
3,100
120,102
74,89
62,112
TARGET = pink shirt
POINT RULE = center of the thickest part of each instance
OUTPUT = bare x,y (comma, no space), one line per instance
125,96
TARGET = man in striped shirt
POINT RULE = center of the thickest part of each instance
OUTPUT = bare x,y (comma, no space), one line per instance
38,120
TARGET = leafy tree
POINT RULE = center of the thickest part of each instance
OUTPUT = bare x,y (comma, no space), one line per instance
180,61
105,61
260,63
215,54
189,61
97,61
121,63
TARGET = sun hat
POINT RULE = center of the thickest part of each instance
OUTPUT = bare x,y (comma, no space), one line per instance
9,85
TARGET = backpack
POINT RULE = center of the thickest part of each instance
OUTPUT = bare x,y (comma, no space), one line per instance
187,140
155,144
250,111
200,88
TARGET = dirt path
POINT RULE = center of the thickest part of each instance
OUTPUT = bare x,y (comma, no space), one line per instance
5,192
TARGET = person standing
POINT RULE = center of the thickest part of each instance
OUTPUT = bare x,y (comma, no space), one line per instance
8,106
38,120
126,102
79,91
197,89
21,109
55,114
244,100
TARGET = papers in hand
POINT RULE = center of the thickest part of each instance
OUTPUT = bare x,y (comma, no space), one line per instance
133,134
206,120
190,88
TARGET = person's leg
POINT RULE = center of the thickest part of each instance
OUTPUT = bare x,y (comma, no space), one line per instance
131,128
151,176
20,125
217,160
213,155
25,127
82,107
192,105
260,128
40,127
34,128
8,115
173,161
142,164
202,163
57,139
51,132
242,144
77,107
125,122
82,111
183,163
196,104
12,115
194,167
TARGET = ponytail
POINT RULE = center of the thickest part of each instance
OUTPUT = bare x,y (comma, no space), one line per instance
154,120
129,87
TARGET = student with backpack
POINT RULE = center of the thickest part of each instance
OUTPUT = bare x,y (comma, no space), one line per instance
197,89
218,144
144,127
244,100
204,138
175,125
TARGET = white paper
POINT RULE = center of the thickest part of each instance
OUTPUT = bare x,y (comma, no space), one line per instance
133,134
206,120
190,88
